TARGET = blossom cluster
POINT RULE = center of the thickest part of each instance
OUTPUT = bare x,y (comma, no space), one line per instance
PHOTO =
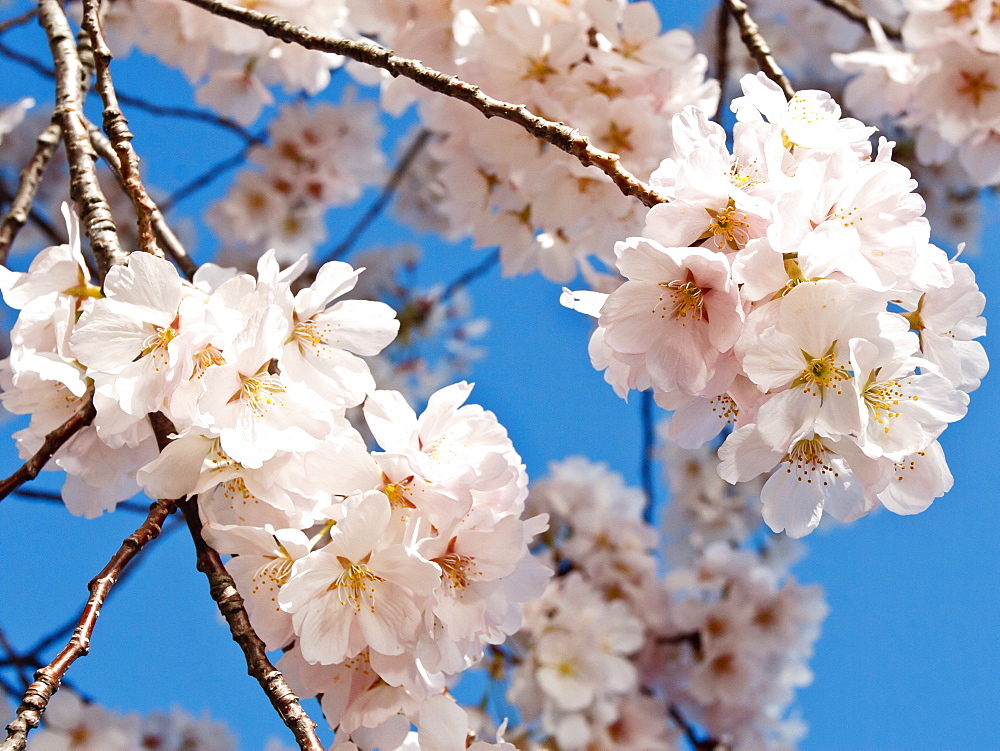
789,290
614,652
232,65
72,724
943,85
603,66
315,158
381,572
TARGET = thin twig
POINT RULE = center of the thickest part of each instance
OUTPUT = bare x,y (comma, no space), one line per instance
854,13
52,443
470,275
698,744
646,459
384,197
187,113
46,227
757,45
206,178
26,60
116,127
48,678
223,590
60,633
721,57
31,176
168,240
17,662
21,20
558,134
54,497
95,214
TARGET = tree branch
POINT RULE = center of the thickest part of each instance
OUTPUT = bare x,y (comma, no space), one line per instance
210,175
721,57
854,13
116,126
31,176
52,443
169,241
558,134
95,214
698,744
757,45
48,678
223,590
384,197
21,20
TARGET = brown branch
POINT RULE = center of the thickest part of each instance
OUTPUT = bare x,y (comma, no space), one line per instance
223,590
721,57
558,134
47,679
757,45
42,223
168,240
852,12
52,443
95,214
116,126
698,744
31,177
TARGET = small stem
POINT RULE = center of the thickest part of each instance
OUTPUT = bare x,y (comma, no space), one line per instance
52,443
758,47
116,126
384,198
48,678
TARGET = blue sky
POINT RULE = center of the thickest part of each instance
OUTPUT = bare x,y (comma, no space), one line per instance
909,658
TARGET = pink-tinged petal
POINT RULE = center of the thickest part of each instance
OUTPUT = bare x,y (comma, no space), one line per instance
443,725
407,569
388,619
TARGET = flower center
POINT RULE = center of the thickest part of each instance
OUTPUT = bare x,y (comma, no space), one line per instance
356,581
258,392
822,373
975,86
728,227
682,300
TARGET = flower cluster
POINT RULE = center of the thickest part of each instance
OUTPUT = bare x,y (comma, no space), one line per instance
789,289
615,655
944,85
233,65
72,724
315,158
601,65
381,572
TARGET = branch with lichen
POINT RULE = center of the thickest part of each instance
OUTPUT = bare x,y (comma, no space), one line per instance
48,678
559,135
95,214
758,46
